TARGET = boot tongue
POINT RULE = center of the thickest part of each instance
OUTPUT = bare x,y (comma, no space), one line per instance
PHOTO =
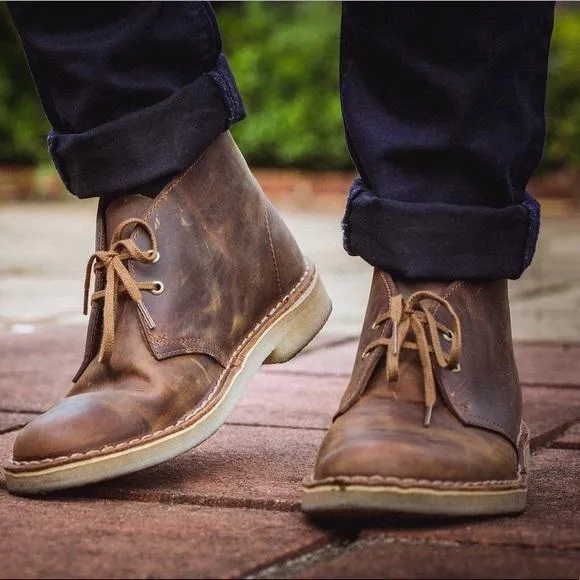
408,287
128,206
410,384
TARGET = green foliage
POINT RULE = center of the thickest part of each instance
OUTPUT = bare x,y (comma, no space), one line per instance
563,93
23,126
285,59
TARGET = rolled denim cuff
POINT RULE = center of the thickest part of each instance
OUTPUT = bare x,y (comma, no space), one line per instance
440,241
144,146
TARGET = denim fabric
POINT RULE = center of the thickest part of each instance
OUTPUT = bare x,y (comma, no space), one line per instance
443,106
443,109
134,91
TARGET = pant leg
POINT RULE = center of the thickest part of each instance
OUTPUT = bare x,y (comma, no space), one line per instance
134,90
443,107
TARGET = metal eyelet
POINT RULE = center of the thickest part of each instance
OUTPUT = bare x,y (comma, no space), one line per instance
159,287
448,336
374,326
156,256
365,354
456,369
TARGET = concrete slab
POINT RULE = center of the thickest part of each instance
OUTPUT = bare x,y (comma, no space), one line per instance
47,246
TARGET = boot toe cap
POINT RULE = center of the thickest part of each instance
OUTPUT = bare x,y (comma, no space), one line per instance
400,447
80,424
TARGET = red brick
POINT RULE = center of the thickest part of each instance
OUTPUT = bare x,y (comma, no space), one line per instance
336,360
6,442
385,558
36,369
120,539
288,400
548,411
538,364
570,439
11,421
548,364
238,466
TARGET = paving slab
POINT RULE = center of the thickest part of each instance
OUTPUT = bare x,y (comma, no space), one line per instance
120,539
12,421
290,401
304,397
553,364
570,439
549,412
36,369
388,558
538,363
255,467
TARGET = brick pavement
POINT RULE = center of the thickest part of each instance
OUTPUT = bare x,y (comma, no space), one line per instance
230,508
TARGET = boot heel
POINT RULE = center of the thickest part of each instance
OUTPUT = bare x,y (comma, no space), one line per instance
302,324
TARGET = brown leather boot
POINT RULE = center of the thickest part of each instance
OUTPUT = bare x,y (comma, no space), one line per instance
431,420
195,289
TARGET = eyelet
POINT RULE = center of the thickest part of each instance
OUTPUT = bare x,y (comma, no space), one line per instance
365,354
159,287
456,369
448,336
156,256
374,326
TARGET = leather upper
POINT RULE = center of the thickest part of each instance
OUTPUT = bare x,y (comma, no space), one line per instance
379,430
225,260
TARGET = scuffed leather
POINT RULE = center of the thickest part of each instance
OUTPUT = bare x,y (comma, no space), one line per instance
378,430
226,259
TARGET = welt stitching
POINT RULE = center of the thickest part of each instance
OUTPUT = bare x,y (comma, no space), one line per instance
272,250
408,481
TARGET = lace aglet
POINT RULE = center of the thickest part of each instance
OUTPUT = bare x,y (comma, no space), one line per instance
428,412
146,315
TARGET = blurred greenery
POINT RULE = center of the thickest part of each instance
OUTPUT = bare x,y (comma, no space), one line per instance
288,75
23,126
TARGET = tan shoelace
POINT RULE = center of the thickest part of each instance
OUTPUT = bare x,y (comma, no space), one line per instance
412,314
118,279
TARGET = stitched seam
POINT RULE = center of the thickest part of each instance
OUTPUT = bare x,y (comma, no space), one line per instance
186,343
386,285
406,482
485,421
200,407
448,293
273,251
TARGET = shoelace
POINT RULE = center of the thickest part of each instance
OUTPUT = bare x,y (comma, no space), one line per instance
411,314
118,279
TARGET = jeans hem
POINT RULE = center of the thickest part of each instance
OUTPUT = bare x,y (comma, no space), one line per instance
440,241
158,141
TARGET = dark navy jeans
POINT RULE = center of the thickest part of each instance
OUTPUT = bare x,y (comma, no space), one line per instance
443,107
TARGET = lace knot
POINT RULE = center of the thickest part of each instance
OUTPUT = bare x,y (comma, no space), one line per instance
119,279
412,315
